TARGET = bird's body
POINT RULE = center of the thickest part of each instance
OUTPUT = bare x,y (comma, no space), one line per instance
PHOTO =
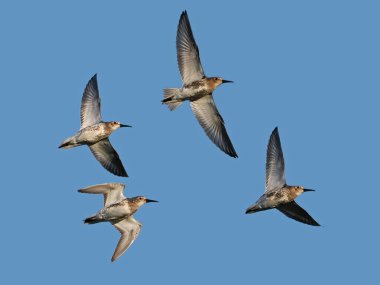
94,132
278,194
192,91
276,197
197,88
118,210
90,135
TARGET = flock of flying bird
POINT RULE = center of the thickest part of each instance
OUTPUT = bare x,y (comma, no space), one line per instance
197,88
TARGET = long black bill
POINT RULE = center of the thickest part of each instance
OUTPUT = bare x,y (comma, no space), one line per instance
150,201
307,190
125,126
227,81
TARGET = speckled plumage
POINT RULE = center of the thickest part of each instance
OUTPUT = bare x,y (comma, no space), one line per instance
197,88
278,194
94,132
119,211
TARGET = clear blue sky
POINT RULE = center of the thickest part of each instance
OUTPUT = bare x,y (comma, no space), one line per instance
309,67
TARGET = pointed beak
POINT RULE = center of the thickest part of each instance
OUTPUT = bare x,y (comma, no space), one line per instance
150,201
125,126
227,81
307,190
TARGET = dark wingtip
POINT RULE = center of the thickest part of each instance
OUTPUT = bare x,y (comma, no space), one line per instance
120,173
93,82
94,77
184,15
230,151
233,154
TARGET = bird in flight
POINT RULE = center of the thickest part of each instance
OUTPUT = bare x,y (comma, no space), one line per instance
278,194
94,132
197,88
119,211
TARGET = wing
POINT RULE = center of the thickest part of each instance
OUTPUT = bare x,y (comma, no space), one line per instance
188,59
112,192
129,229
108,157
294,211
90,107
275,166
212,122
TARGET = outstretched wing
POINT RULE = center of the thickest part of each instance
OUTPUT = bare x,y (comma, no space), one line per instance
108,157
213,124
188,59
129,229
294,211
275,166
90,107
113,192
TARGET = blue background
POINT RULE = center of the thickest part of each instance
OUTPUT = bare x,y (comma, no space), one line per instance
309,67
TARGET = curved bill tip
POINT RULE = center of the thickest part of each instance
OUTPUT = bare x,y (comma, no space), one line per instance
227,81
125,126
307,190
150,201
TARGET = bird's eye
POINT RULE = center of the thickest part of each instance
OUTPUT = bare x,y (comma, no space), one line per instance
216,79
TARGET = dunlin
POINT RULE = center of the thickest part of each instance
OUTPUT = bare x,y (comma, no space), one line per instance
118,210
278,194
94,132
197,88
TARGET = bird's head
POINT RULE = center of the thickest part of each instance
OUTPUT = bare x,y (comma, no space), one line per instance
115,125
300,189
216,81
141,200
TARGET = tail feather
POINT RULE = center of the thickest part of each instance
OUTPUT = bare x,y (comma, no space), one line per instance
170,99
92,220
254,209
69,143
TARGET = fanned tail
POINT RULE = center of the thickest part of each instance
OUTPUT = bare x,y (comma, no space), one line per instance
170,98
